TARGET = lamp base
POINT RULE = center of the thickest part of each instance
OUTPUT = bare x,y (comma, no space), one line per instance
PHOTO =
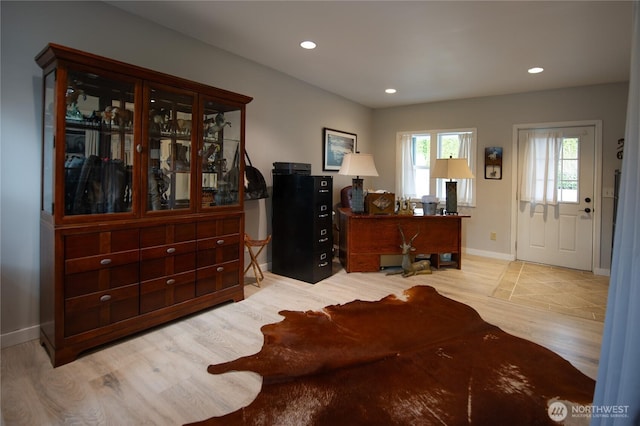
452,198
357,196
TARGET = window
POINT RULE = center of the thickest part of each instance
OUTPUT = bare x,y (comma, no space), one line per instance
548,171
417,151
568,171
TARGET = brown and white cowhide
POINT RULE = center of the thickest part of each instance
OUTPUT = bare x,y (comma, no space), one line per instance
426,360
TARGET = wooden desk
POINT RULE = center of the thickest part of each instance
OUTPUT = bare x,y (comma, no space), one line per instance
363,238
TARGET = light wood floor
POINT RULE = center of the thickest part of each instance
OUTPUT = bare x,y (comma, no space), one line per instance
160,378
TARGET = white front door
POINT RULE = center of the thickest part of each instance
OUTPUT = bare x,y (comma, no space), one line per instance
562,234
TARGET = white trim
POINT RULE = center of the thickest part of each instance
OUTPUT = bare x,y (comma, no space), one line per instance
489,254
603,272
597,182
20,336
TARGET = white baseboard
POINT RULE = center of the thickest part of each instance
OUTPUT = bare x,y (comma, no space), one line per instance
509,257
19,336
603,272
489,254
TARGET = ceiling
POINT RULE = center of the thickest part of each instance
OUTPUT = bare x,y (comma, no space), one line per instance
427,50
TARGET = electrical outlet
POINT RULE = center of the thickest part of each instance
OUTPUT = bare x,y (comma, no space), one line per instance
492,236
608,192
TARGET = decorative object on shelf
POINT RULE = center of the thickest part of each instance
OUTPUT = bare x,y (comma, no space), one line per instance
620,152
255,187
493,163
336,145
405,206
429,205
380,203
356,164
452,168
409,267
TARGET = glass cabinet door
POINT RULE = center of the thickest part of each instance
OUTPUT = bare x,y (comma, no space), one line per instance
220,155
99,144
48,143
169,150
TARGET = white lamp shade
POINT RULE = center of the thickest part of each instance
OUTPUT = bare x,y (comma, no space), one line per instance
451,168
358,165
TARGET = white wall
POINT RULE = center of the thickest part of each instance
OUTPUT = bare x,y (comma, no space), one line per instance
494,118
284,122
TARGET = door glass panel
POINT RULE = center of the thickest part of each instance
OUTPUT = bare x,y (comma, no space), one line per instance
169,168
568,171
220,157
99,144
48,146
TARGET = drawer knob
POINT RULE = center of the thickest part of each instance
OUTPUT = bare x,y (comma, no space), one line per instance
220,242
323,264
171,250
220,268
105,298
105,261
323,240
171,281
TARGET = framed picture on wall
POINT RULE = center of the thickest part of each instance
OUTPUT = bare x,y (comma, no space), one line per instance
493,163
335,144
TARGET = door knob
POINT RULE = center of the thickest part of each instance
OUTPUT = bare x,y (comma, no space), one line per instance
587,210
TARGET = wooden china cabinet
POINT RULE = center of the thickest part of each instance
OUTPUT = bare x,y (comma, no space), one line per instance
142,208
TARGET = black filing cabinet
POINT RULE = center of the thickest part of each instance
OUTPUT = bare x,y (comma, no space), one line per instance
301,226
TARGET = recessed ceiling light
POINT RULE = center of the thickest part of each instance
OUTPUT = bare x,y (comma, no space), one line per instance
390,91
535,70
308,44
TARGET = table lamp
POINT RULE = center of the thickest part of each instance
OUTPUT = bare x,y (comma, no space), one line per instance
356,164
452,168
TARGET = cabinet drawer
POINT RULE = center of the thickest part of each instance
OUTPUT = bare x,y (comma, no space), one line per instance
91,281
167,250
99,309
322,185
322,266
167,291
157,268
323,212
322,260
96,243
167,234
218,227
322,235
217,277
212,251
107,260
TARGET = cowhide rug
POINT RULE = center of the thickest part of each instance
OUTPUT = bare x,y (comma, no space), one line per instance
427,360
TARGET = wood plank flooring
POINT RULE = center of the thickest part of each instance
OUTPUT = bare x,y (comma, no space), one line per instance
159,377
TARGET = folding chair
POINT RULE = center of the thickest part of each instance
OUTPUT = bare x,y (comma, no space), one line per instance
250,244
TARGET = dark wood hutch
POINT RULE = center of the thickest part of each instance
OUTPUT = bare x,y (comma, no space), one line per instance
142,208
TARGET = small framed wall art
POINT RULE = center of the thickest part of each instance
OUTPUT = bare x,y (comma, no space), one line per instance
335,145
493,163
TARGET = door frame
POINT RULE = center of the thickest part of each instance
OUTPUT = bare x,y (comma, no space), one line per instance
597,183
